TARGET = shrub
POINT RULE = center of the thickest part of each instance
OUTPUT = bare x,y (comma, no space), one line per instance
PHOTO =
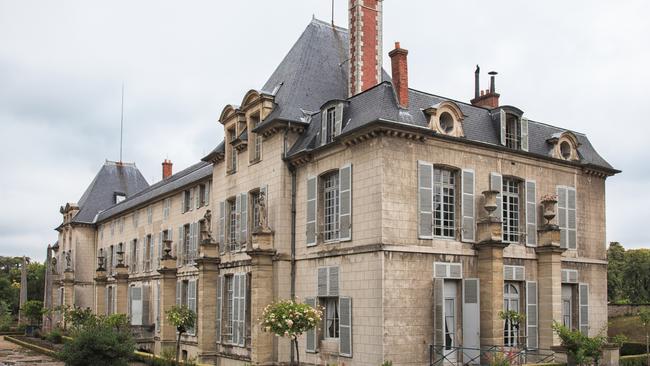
55,336
6,319
387,363
33,310
78,317
583,349
639,360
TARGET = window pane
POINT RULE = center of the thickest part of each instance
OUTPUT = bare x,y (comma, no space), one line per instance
331,206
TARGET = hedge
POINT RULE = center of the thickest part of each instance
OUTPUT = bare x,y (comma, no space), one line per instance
637,360
632,348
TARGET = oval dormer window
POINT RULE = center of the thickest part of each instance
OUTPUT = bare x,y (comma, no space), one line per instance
566,150
446,122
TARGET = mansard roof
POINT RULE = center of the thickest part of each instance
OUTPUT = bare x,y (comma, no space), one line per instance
113,178
190,175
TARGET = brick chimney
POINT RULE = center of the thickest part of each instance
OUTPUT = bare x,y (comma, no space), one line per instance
166,169
399,68
365,53
488,98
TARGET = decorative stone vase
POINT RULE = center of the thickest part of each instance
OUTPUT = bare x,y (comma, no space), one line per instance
490,201
548,207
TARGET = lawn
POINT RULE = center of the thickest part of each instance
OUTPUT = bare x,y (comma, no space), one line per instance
629,325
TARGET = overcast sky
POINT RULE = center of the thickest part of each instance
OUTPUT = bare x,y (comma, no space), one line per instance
582,65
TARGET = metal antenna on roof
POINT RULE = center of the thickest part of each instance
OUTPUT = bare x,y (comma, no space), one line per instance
122,122
332,13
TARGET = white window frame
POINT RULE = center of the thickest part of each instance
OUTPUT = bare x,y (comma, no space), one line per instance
511,234
440,224
331,203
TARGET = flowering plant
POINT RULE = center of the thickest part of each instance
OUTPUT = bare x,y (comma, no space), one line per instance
549,197
287,318
183,318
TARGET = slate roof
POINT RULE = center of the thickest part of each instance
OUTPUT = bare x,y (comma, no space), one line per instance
112,178
185,177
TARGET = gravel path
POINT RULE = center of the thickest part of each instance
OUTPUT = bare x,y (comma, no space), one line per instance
15,355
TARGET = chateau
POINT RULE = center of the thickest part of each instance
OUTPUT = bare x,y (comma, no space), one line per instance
411,218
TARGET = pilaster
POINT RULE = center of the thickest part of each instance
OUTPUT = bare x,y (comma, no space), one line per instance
121,289
100,292
167,299
68,287
207,295
261,294
549,279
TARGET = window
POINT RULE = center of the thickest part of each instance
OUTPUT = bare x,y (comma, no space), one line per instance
149,215
331,206
111,259
134,255
187,200
148,252
136,218
167,204
256,151
511,200
201,197
450,322
444,203
513,134
565,150
255,204
186,244
331,316
232,225
510,303
446,122
119,197
112,228
109,300
232,152
227,308
331,124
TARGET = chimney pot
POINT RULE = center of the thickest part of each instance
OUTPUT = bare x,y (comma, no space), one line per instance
399,68
166,169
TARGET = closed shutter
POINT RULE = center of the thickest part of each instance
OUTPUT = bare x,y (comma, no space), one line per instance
425,200
160,248
496,184
468,231
345,326
206,199
531,213
524,133
322,281
178,293
345,197
197,197
238,220
562,215
146,304
583,293
323,127
311,211
244,218
333,281
338,122
158,305
502,125
191,303
129,301
220,284
136,303
191,199
146,262
193,241
531,315
471,320
311,339
571,219
235,309
438,316
242,309
222,227
183,202
180,250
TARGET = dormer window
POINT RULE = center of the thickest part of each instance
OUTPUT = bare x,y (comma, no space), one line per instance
331,121
119,197
446,118
331,124
513,136
513,127
564,146
565,150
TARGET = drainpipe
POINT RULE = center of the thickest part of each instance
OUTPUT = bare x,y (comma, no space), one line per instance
292,170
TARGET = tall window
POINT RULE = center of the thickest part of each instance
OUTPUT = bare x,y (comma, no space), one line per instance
227,308
256,152
232,162
444,203
255,204
513,135
331,124
510,210
331,206
331,316
187,258
510,303
167,203
232,225
134,255
148,249
111,259
149,215
450,323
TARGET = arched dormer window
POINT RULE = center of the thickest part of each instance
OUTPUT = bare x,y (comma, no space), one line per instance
564,146
513,127
446,118
331,120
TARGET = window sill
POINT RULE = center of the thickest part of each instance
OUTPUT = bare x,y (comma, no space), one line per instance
231,171
254,161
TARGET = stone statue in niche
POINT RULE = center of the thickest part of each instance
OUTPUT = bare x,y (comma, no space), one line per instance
53,264
207,221
68,260
263,224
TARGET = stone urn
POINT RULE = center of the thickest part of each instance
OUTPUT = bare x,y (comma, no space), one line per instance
490,201
548,207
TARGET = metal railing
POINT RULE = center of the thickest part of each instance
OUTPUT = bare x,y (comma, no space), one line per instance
460,356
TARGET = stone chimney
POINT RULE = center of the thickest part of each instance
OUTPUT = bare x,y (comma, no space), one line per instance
399,67
166,169
365,53
488,98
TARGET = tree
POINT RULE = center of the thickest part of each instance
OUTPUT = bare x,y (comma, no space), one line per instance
644,315
616,258
183,319
636,275
290,319
33,310
10,281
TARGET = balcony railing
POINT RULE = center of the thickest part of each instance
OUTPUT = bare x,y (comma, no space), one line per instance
461,356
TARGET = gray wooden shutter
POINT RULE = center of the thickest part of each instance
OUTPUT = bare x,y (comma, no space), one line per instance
195,241
235,309
178,293
468,228
333,281
425,200
471,319
345,326
191,198
146,304
183,202
531,213
438,315
338,121
322,281
180,245
323,127
197,197
222,227
524,133
242,309
160,248
571,219
496,184
311,341
502,125
191,303
345,197
562,215
206,199
244,218
311,211
220,284
531,315
238,220
583,313
158,306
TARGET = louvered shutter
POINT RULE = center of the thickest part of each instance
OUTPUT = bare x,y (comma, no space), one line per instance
183,202
191,303
468,231
222,227
438,316
157,305
531,315
180,246
524,133
136,305
238,220
471,319
345,197
333,281
235,309
338,121
178,293
508,273
242,309
583,293
496,184
531,213
311,211
146,304
129,301
425,200
345,326
191,199
571,219
220,285
323,127
206,199
322,281
562,215
143,254
502,125
160,248
311,339
190,247
244,218
197,197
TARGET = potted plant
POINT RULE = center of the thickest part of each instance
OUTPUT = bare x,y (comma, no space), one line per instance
33,311
183,319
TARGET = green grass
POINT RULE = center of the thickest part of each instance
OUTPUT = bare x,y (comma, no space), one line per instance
629,326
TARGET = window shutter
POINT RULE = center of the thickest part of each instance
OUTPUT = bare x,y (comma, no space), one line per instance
222,227
562,215
180,245
190,248
191,302
264,189
157,305
197,197
235,309
220,285
242,309
238,219
345,326
333,281
425,200
244,218
146,304
206,199
438,315
311,211
191,198
583,293
531,315
471,318
345,197
178,293
322,281
496,184
531,213
183,202
571,218
160,249
524,133
129,301
502,123
338,122
468,231
311,339
323,127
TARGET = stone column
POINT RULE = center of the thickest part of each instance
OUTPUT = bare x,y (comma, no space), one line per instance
261,295
68,287
167,299
100,292
208,265
549,282
121,289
